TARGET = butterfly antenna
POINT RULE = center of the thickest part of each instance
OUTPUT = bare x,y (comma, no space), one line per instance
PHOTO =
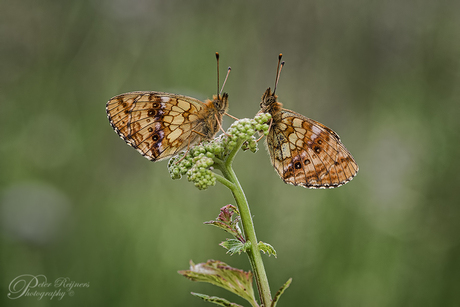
278,71
217,58
225,81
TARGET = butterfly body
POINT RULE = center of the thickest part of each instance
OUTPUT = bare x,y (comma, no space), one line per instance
160,125
303,151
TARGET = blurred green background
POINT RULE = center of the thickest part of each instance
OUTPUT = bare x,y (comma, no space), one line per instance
77,202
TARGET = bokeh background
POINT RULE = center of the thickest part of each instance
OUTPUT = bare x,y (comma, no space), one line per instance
77,202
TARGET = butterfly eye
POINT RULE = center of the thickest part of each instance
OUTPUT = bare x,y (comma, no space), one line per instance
297,165
317,149
152,112
306,162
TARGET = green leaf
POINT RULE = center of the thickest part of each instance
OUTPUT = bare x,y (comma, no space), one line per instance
222,275
281,291
267,248
233,246
216,300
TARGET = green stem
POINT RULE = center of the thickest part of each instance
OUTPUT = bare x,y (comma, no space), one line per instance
224,181
253,252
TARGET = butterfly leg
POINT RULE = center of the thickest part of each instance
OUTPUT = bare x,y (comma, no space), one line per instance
231,116
220,126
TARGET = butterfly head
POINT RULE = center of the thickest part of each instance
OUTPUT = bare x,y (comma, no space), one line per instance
220,102
269,103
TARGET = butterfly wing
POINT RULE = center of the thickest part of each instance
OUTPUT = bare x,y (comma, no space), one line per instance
158,125
305,152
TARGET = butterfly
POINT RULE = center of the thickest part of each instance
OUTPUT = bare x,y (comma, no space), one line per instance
160,125
303,151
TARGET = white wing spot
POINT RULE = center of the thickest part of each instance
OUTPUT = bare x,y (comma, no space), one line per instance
315,130
282,126
285,149
174,134
183,105
179,119
293,138
297,122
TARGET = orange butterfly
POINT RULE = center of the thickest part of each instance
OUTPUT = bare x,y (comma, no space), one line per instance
303,151
160,125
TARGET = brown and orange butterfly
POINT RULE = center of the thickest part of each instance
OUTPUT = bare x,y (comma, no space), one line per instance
303,151
160,125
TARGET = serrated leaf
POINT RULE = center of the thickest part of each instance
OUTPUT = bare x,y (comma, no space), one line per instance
216,300
233,246
222,226
222,275
266,248
225,221
280,291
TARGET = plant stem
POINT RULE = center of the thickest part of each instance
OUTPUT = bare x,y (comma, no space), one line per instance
255,257
224,181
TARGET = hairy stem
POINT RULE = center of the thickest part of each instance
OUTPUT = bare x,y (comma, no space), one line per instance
224,181
255,257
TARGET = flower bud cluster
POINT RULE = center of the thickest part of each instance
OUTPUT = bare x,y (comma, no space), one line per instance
198,161
244,129
196,165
